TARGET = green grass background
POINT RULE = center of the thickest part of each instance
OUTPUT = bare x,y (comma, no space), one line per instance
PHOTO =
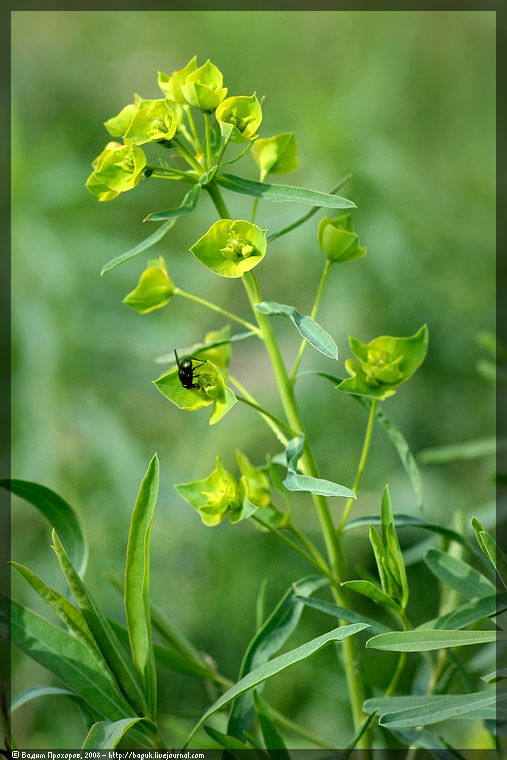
404,101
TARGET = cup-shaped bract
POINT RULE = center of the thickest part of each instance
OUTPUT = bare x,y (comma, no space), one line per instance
276,155
231,248
338,240
254,484
210,388
117,169
171,85
203,87
239,118
152,123
384,364
213,496
154,290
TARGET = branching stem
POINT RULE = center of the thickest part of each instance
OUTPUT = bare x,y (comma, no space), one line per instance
361,465
304,342
218,309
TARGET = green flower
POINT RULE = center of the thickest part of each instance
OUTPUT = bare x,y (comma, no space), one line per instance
154,290
152,123
338,240
384,364
171,85
276,155
213,497
239,118
211,389
118,168
253,484
203,87
231,248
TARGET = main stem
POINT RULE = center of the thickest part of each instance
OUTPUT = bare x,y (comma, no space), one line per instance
308,464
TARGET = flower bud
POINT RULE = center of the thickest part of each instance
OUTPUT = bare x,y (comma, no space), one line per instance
231,248
171,85
239,118
155,288
117,169
253,484
384,364
276,155
338,240
210,388
203,87
213,496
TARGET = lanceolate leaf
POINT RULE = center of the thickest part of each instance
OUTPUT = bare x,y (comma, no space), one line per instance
137,583
440,707
458,575
104,636
60,515
469,613
266,642
421,738
282,192
343,613
106,734
272,738
66,657
188,204
304,483
491,550
372,592
427,640
309,329
38,691
225,741
275,666
458,451
140,247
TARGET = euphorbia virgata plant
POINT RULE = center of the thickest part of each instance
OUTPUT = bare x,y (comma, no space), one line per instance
196,131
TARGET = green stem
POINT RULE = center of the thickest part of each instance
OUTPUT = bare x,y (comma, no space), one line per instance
269,419
189,158
396,675
190,176
254,209
222,151
361,465
218,309
306,542
265,413
174,177
208,140
285,722
191,123
310,213
285,388
304,342
216,197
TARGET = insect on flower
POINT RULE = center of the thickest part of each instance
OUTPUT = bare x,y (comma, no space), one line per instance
186,370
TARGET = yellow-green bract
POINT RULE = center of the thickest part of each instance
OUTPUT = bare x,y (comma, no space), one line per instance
231,248
239,118
384,364
276,155
338,240
154,290
203,87
117,169
211,389
171,85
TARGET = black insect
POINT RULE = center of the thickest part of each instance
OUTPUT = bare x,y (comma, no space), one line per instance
186,370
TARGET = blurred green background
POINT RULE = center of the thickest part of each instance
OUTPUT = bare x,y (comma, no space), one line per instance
404,101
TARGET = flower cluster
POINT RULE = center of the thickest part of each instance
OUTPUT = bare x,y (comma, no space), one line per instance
220,495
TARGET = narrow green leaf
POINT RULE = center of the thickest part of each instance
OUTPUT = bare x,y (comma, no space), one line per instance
379,553
305,483
345,614
282,192
438,708
61,516
496,675
226,741
421,738
491,550
64,656
139,248
260,605
272,737
468,613
71,616
38,691
309,329
187,205
196,348
106,734
372,592
458,451
458,575
266,642
137,583
427,640
275,666
102,633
